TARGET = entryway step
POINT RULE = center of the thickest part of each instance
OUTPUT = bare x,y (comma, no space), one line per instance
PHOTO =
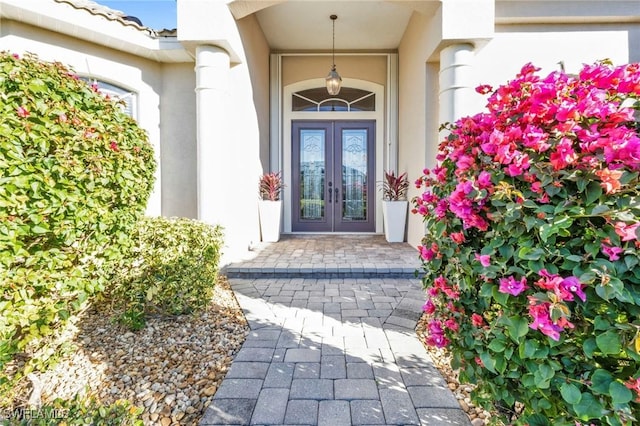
377,271
328,256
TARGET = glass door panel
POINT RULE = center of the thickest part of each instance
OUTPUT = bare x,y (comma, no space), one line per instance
311,177
355,164
354,175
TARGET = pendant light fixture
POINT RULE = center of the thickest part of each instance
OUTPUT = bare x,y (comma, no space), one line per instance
334,81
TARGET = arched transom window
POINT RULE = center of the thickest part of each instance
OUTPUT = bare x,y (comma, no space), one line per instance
349,99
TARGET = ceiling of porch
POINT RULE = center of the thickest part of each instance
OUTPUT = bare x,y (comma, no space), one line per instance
306,26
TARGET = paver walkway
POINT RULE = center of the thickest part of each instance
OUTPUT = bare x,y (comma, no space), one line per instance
332,351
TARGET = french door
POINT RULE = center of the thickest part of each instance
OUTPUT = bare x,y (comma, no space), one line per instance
333,178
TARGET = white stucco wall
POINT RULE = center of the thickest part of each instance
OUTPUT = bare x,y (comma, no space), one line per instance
142,76
246,132
257,57
178,130
418,110
545,46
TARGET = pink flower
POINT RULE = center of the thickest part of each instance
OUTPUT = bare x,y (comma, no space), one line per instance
436,335
440,282
429,308
437,340
563,154
477,320
114,146
465,162
483,89
22,112
511,286
542,319
573,285
484,259
627,232
519,165
428,253
611,251
484,179
452,324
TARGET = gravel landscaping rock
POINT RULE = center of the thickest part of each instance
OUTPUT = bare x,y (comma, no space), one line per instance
172,367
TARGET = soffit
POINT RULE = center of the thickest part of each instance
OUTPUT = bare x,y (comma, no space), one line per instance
361,25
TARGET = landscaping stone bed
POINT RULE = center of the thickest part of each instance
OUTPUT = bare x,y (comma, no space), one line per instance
172,367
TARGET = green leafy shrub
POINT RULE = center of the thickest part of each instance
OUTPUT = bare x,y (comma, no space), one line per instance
75,176
532,250
79,411
172,271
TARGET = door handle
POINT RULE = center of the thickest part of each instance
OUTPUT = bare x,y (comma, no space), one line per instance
330,185
336,189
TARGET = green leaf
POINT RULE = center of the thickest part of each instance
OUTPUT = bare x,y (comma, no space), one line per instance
570,393
620,394
527,253
600,381
537,420
600,209
488,361
560,223
497,345
37,229
593,192
588,408
517,327
609,343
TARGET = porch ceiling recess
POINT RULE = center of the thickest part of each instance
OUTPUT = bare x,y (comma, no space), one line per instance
305,25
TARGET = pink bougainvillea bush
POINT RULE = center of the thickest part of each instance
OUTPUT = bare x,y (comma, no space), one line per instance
531,253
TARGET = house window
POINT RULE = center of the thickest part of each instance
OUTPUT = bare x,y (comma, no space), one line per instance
349,99
115,92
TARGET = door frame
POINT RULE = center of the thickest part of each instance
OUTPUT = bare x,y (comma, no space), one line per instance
289,116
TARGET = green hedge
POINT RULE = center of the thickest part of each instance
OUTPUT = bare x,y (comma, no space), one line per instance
172,271
75,176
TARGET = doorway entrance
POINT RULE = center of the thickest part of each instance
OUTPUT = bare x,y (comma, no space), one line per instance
333,176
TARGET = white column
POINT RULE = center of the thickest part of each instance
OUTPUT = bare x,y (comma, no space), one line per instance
456,80
212,82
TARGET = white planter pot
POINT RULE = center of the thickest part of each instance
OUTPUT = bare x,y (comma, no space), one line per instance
394,215
270,219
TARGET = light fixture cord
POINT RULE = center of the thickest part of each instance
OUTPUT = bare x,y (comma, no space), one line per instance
333,46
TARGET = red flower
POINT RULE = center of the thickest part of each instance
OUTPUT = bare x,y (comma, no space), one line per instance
634,384
114,146
22,112
477,320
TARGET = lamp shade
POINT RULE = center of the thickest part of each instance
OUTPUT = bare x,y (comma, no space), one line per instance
334,81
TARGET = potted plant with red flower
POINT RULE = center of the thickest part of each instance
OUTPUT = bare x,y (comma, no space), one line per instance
394,206
270,206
